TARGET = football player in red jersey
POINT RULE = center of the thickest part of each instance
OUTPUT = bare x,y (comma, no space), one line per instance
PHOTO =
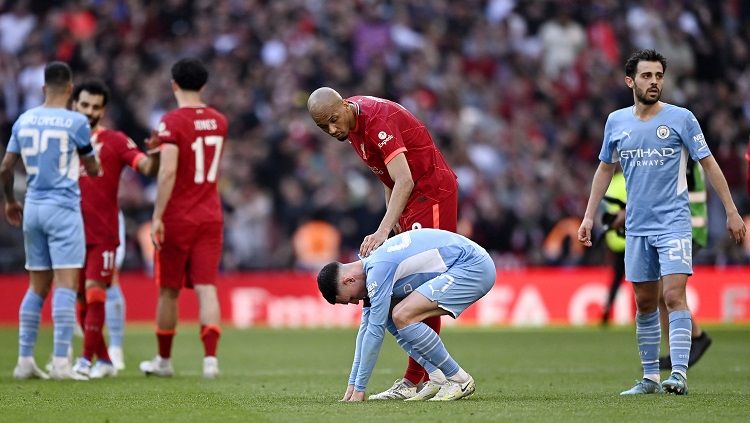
421,190
187,223
100,208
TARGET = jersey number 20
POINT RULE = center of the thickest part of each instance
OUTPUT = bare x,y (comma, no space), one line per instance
39,144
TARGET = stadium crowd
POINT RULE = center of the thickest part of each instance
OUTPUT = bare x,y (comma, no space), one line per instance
515,93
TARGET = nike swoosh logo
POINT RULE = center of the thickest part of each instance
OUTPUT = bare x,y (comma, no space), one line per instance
463,388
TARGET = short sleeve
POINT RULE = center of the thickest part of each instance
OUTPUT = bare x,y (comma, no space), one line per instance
82,137
609,145
386,138
128,151
692,137
167,131
13,146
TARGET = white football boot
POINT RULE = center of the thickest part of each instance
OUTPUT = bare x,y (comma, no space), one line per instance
402,389
102,369
210,367
158,367
26,368
61,370
117,357
429,390
452,391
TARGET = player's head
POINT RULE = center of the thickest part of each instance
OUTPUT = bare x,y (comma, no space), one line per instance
90,98
189,74
342,283
58,79
644,74
331,113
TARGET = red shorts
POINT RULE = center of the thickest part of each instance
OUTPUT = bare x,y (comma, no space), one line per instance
189,255
100,265
431,214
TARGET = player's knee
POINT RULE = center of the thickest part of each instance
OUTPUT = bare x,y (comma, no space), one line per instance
168,293
675,299
646,304
402,316
95,294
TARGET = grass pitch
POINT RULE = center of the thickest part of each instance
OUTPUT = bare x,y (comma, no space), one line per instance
545,375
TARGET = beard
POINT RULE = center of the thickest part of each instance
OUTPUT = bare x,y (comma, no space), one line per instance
641,96
93,121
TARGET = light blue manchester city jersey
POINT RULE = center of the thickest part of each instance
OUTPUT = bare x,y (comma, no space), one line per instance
653,155
398,267
47,139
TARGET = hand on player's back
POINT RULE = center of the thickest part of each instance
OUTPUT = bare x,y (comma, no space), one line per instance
371,242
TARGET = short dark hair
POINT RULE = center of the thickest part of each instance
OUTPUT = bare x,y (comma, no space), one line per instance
57,74
92,86
647,55
328,281
190,74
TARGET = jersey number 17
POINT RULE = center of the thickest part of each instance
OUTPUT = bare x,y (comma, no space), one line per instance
198,146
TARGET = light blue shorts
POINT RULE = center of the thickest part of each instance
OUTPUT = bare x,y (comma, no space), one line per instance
648,258
461,286
53,237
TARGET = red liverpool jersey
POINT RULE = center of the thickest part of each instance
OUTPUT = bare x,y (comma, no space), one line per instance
199,133
383,130
99,193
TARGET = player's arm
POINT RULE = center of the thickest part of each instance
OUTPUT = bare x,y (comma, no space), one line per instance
735,225
164,185
149,165
82,139
13,209
396,228
372,341
357,354
601,181
90,161
398,169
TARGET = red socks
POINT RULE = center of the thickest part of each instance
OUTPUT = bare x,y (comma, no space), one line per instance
93,340
414,372
164,337
81,312
210,337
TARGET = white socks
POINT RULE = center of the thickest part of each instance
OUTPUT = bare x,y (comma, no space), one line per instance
461,376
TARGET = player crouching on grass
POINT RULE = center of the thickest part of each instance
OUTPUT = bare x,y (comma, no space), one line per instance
429,272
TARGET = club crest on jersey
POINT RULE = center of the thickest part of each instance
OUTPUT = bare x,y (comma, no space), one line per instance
662,132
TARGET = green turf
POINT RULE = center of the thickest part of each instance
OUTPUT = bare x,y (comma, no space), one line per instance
545,375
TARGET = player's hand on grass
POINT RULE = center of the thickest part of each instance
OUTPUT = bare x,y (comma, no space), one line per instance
157,233
357,396
348,393
14,212
584,232
371,242
736,227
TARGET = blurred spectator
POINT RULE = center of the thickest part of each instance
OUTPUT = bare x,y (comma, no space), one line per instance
515,94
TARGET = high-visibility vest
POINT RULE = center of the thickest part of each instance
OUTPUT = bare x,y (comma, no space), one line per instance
697,196
614,200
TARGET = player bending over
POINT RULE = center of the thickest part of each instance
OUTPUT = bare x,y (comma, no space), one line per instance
430,272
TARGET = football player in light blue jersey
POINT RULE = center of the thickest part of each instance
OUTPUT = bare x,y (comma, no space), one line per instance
652,140
426,272
49,139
